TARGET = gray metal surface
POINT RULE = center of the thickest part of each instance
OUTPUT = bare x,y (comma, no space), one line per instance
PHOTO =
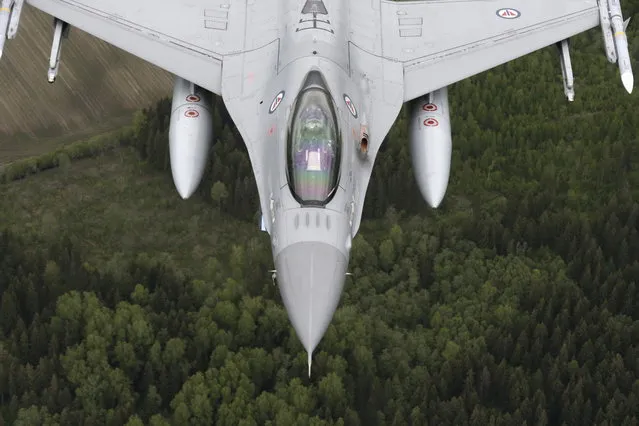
311,277
441,42
188,38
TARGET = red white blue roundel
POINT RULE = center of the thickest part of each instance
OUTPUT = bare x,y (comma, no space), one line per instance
508,13
276,102
350,105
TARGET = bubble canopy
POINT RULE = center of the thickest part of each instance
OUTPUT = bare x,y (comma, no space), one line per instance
313,144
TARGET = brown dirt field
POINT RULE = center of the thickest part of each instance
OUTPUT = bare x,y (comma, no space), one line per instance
98,87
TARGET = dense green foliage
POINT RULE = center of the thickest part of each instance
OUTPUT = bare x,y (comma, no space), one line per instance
515,303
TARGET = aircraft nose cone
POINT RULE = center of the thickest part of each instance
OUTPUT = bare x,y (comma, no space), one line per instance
311,276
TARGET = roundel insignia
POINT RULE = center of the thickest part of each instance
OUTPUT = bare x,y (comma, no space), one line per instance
350,105
193,98
429,107
508,13
276,102
191,113
431,122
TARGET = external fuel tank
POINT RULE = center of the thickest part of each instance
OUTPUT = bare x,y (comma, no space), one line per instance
431,144
190,135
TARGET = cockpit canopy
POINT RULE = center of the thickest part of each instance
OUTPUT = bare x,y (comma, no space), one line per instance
313,144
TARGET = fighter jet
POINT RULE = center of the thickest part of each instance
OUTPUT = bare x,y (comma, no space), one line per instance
314,87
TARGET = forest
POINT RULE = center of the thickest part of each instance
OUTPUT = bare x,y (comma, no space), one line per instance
513,303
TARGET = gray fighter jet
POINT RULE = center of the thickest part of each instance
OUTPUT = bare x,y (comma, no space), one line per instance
313,87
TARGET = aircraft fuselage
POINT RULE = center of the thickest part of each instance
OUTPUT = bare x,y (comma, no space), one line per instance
313,163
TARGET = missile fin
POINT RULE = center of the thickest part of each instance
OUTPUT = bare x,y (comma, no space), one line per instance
625,24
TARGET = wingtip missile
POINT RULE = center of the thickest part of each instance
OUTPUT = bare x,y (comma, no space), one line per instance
623,61
621,43
310,361
628,81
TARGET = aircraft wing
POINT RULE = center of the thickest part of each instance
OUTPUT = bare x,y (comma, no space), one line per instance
189,38
440,42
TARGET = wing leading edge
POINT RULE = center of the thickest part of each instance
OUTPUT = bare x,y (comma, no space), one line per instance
189,38
440,42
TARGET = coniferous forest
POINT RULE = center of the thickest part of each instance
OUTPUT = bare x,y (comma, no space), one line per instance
514,303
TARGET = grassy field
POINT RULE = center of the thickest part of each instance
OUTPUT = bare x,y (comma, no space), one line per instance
116,204
21,146
97,88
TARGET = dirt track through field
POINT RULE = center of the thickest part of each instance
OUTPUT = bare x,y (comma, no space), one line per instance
97,84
